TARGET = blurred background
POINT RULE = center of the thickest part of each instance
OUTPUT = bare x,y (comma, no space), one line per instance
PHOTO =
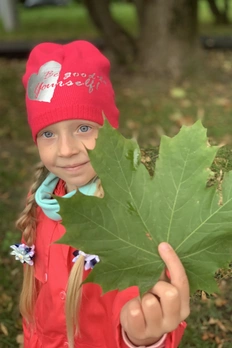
171,65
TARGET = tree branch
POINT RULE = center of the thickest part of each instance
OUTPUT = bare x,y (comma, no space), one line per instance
121,42
221,17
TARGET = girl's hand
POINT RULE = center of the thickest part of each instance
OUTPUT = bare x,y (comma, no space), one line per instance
162,309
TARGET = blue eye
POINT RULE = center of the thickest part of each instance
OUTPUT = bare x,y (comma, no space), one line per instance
84,129
47,134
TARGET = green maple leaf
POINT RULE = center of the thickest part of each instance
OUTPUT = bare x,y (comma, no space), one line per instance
139,211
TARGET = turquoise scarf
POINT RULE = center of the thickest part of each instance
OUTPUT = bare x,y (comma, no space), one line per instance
50,206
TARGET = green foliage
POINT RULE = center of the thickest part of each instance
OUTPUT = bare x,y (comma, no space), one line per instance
138,211
147,111
72,22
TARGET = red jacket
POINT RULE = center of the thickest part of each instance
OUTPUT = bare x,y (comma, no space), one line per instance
99,315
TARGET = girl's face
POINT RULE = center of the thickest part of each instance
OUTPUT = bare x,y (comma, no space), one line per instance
62,149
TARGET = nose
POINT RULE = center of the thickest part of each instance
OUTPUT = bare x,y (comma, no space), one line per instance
68,146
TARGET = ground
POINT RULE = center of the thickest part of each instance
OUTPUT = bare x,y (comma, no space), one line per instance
149,107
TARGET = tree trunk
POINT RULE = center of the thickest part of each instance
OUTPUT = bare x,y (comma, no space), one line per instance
167,41
168,35
226,6
221,17
122,44
139,5
9,14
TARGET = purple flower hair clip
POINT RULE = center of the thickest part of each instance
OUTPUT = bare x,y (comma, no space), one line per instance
90,260
23,253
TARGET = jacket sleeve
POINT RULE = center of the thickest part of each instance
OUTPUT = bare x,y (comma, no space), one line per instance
172,339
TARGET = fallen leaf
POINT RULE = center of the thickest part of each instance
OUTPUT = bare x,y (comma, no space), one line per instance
19,340
4,329
178,93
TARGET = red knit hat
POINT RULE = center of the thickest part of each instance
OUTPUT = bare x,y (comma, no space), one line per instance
66,82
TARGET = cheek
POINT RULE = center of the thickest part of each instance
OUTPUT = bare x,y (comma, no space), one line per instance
45,155
91,172
89,144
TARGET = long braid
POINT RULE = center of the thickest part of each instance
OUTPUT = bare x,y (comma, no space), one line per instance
27,224
73,299
74,288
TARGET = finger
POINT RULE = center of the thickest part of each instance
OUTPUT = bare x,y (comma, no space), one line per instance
153,314
164,276
132,318
170,304
178,276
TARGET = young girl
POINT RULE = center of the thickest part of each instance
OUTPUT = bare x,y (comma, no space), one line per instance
67,91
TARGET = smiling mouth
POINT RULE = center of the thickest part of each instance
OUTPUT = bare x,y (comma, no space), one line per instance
75,166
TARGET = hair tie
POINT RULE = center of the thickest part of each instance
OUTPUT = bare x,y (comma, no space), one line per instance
90,260
23,253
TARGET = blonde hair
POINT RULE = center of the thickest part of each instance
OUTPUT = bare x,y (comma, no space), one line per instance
27,224
74,289
73,299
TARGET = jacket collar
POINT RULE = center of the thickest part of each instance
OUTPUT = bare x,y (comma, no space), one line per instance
50,205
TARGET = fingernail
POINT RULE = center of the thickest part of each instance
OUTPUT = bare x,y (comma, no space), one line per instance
165,246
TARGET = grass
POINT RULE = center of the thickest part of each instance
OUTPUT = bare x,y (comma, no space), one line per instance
210,323
206,94
149,108
72,22
68,22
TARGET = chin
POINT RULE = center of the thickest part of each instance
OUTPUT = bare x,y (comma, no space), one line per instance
80,183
